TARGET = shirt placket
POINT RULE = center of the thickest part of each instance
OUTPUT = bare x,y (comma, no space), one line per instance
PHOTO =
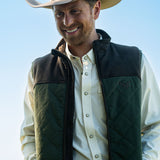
87,109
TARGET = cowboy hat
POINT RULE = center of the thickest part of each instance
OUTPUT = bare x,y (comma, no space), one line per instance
33,3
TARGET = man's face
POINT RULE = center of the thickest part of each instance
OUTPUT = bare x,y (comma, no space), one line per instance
75,21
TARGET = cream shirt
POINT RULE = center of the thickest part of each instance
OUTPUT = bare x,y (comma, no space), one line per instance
90,131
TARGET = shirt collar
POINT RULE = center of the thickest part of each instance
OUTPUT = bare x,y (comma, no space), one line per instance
88,56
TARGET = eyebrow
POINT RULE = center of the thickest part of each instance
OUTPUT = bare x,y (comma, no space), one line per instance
70,7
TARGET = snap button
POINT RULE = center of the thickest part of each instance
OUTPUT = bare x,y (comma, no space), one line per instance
85,57
96,156
87,115
91,136
85,93
86,73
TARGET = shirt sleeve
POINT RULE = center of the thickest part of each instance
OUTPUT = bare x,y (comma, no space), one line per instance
27,135
150,111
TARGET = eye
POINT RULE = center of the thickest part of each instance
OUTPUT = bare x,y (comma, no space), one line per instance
59,14
75,11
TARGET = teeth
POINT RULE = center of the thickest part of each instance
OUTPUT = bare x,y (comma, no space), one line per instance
70,31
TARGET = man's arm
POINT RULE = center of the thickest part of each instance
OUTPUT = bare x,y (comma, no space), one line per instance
27,134
150,121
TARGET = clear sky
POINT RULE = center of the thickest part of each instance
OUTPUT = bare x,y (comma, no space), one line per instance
27,33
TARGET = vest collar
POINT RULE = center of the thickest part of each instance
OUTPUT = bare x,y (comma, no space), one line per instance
105,40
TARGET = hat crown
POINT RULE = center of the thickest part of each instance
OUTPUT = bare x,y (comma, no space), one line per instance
48,4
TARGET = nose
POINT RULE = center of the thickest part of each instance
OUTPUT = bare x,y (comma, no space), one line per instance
68,20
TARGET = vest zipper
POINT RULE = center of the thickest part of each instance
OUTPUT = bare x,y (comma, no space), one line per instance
69,108
105,103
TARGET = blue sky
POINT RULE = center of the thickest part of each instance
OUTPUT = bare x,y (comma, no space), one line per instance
27,33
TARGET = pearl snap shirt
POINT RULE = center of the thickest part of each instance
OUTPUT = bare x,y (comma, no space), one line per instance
90,130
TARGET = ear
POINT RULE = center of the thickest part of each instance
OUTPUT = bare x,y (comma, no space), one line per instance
97,8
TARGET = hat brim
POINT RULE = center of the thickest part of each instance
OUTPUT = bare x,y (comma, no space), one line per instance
108,3
104,3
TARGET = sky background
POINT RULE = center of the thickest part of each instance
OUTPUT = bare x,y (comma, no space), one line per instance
27,33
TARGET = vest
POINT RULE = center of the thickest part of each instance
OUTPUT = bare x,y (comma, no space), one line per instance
119,69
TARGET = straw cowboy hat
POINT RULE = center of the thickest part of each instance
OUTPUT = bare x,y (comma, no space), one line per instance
33,3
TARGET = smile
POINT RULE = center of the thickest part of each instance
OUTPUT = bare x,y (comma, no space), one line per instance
72,31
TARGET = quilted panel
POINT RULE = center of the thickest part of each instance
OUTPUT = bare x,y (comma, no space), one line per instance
49,120
123,114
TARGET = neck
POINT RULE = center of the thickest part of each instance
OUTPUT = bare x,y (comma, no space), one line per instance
82,49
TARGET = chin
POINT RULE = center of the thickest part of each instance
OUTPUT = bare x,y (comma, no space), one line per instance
74,41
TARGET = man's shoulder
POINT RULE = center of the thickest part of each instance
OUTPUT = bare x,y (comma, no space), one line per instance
42,59
124,48
105,40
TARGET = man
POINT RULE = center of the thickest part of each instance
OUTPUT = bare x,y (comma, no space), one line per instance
90,98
